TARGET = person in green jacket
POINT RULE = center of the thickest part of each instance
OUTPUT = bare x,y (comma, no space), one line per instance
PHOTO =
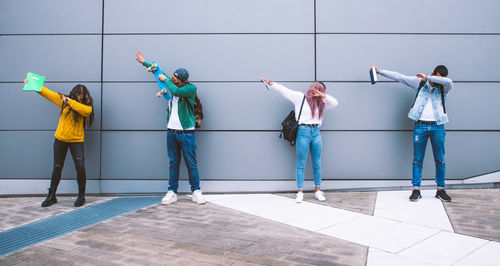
180,131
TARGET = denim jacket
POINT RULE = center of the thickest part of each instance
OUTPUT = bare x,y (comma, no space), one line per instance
414,82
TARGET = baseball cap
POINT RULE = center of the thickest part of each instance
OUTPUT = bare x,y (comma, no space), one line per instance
182,74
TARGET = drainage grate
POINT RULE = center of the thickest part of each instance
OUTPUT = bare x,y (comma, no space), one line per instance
28,235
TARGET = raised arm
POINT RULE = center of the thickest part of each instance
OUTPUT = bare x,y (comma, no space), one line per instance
330,102
188,90
289,94
51,96
140,58
410,81
81,108
446,82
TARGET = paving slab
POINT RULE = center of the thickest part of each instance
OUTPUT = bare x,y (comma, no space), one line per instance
428,211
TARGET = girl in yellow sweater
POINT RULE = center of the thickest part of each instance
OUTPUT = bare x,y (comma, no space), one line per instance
76,111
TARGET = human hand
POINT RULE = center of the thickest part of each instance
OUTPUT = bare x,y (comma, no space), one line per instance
265,80
162,77
65,99
317,93
140,57
422,76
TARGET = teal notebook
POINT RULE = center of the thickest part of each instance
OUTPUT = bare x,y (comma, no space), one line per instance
35,82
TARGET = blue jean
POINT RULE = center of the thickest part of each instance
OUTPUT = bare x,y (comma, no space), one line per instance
185,142
421,134
308,138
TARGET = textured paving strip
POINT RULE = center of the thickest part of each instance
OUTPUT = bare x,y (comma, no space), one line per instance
185,233
18,211
27,235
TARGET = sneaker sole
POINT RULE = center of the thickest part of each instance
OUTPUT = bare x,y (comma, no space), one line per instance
442,199
168,203
415,200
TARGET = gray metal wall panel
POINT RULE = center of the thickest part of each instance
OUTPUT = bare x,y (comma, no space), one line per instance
262,155
249,106
348,57
21,110
30,155
426,16
206,16
133,106
474,106
50,16
58,58
212,57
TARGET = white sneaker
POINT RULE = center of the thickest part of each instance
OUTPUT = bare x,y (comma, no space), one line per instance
319,195
198,197
169,198
300,197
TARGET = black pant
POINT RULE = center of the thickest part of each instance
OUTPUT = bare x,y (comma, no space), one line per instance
60,150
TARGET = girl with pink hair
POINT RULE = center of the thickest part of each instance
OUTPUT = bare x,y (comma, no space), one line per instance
308,134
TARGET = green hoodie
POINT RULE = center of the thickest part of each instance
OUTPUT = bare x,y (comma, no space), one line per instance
187,96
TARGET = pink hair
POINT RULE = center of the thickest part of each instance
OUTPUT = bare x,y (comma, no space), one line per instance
316,103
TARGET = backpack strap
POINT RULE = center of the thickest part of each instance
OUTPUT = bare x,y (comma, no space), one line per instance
302,105
422,83
442,98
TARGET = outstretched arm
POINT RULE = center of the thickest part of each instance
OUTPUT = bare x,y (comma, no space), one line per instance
50,95
140,58
289,94
330,101
410,81
446,82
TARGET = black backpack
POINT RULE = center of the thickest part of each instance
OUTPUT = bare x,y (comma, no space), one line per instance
290,126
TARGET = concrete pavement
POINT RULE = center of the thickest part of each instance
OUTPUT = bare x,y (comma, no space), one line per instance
350,228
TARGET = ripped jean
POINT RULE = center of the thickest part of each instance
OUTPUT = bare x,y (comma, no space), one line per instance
60,150
421,134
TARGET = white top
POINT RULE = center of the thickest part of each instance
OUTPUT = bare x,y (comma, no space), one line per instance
174,122
296,98
428,112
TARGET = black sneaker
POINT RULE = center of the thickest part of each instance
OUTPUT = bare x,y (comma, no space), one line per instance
441,194
415,195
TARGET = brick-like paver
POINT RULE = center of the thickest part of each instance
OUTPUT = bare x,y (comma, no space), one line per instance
185,233
15,212
475,212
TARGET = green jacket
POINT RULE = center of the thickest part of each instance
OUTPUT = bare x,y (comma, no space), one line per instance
187,96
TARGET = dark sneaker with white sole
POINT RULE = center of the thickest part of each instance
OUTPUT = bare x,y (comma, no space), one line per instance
441,194
415,195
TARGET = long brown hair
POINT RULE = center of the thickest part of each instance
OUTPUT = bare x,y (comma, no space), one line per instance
86,99
316,103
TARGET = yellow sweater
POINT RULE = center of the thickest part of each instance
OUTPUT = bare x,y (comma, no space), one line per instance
67,129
